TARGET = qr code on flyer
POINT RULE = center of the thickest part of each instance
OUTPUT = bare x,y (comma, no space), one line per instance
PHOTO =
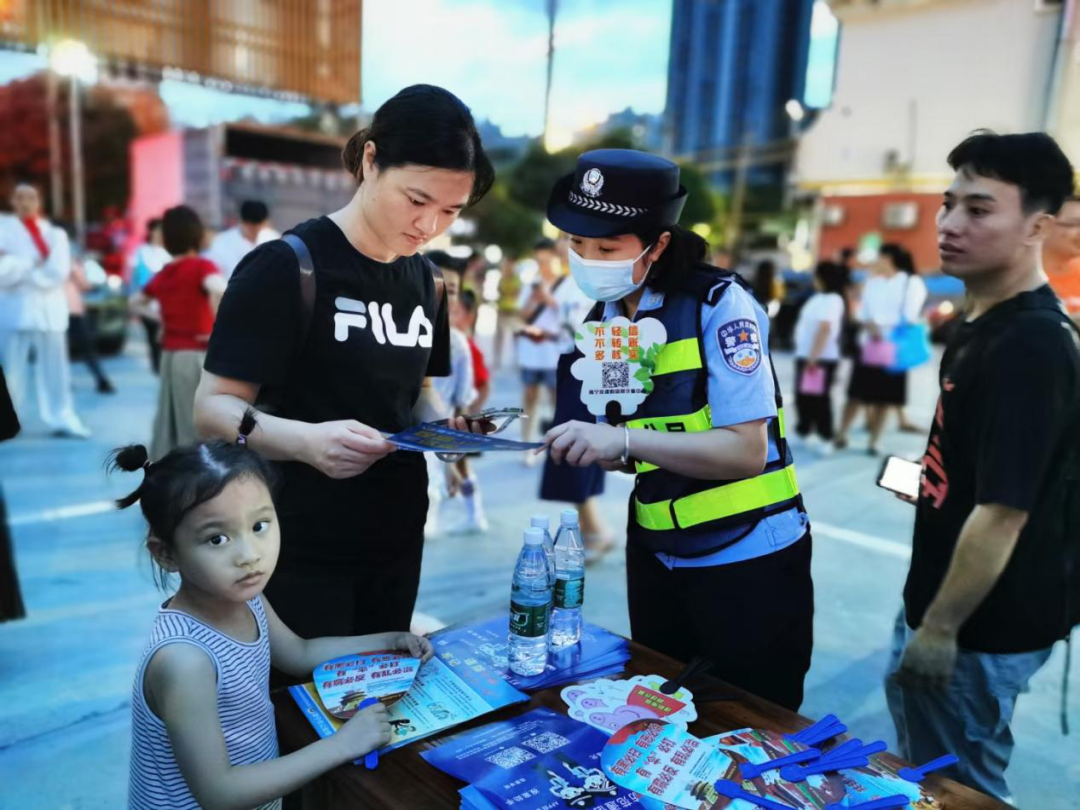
546,743
616,375
509,757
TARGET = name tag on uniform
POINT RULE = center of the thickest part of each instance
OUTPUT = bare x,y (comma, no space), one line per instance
618,363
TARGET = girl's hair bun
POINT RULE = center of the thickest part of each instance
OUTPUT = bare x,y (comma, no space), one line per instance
129,459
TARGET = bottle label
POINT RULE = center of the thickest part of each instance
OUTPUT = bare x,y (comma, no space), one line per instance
569,593
529,621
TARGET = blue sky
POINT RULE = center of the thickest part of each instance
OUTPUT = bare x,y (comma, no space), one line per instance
610,54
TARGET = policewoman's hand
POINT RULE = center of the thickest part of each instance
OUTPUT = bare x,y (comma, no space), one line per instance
580,444
344,449
928,661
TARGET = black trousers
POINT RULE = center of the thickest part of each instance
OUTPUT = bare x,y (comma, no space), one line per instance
153,328
83,336
11,603
754,620
814,411
323,598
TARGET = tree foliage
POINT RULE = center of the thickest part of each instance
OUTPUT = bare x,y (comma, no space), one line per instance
108,127
503,221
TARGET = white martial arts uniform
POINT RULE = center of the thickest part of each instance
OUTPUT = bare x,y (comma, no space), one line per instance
34,322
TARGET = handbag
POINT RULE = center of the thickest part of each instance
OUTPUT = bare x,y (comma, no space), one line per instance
911,342
878,353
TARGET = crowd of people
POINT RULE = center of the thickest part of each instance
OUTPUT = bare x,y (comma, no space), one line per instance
306,351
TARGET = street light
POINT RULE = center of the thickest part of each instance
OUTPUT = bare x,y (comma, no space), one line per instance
73,60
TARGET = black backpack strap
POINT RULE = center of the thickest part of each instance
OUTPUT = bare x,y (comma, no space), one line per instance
307,282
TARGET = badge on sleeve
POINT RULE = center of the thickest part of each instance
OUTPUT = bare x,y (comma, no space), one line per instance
740,344
618,363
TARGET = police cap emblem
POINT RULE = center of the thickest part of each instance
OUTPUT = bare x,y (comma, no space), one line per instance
592,182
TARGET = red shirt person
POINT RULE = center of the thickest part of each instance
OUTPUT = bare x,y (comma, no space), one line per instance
187,308
188,289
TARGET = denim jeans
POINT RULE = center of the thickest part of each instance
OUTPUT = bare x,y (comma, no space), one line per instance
970,719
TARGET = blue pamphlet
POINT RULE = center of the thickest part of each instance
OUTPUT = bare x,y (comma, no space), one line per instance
429,437
484,645
540,760
443,695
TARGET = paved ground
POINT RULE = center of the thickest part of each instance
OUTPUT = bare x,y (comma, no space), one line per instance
65,671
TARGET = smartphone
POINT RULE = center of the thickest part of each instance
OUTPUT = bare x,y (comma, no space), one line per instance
901,476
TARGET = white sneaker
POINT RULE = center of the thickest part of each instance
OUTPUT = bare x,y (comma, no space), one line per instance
812,442
474,524
72,432
826,449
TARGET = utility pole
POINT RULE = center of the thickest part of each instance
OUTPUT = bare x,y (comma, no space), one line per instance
552,8
56,177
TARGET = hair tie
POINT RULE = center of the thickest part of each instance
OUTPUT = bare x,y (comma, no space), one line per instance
146,465
241,439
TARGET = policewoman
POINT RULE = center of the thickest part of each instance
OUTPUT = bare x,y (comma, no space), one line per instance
671,381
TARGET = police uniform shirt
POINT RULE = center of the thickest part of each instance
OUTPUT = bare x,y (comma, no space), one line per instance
737,394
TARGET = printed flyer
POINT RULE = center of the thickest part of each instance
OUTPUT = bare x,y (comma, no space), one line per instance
880,779
757,747
661,761
344,683
441,697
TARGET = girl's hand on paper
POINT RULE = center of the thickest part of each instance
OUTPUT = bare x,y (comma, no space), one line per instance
366,731
416,646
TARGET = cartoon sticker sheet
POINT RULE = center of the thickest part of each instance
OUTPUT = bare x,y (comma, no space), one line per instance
344,683
608,705
619,359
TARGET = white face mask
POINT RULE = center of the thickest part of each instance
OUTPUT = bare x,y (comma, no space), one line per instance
604,280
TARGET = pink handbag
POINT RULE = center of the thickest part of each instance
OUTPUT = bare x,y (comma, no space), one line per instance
812,381
879,353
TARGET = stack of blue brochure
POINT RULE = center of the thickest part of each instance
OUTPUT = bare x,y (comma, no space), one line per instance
540,759
483,646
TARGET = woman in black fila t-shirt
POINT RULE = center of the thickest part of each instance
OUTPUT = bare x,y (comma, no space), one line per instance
351,509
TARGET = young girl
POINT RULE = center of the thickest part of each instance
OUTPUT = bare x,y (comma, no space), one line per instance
202,722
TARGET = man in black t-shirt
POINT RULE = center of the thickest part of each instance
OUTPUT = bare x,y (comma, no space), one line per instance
986,597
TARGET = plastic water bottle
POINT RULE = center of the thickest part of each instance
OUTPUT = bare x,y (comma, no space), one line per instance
569,581
543,522
530,607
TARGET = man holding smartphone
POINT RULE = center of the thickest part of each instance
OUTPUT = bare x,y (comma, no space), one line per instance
988,592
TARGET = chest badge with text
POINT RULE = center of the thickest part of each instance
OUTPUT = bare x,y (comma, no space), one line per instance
619,362
740,344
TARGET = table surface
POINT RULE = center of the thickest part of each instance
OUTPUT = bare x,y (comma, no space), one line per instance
404,780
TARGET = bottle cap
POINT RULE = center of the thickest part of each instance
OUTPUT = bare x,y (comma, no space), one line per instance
540,522
568,517
534,537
